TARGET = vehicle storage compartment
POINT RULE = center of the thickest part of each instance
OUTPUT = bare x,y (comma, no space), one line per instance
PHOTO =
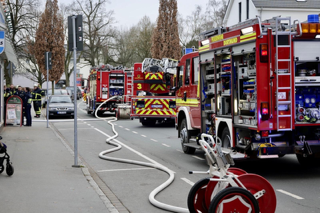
307,92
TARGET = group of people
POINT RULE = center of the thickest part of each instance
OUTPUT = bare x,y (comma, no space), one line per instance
27,96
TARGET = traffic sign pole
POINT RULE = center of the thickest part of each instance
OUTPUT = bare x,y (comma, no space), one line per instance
74,92
47,105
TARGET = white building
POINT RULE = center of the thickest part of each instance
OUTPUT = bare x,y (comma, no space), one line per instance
7,54
241,10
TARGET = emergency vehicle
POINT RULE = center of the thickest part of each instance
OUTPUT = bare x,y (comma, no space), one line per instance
153,100
105,82
256,86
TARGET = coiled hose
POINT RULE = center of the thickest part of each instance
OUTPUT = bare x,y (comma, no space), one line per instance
118,145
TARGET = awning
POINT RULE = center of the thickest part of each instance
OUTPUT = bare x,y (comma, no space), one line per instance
10,53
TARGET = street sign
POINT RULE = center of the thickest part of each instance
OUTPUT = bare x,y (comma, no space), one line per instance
79,33
2,41
48,61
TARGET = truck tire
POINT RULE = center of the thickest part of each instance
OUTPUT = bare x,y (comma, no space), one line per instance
225,138
184,137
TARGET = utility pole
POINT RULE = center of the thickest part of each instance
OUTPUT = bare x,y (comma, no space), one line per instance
75,43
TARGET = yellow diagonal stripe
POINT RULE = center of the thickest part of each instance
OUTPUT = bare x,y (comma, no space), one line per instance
152,86
147,103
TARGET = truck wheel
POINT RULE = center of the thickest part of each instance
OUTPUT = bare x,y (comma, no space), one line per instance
309,161
225,138
184,137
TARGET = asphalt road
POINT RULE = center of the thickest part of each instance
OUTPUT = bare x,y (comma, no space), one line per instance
297,188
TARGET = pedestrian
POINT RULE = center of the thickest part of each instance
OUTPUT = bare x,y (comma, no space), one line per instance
6,95
36,98
12,89
27,106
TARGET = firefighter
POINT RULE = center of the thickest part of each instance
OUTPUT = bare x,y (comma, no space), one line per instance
12,89
36,98
27,106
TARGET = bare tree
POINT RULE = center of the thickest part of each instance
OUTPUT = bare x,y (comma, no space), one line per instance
50,38
143,40
24,16
97,28
165,40
216,9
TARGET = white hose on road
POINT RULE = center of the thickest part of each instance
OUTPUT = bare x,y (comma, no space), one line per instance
118,145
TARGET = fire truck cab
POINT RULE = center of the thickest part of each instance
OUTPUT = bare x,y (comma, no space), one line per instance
256,86
105,82
153,100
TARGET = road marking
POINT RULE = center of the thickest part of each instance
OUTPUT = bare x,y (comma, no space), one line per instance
179,150
154,140
115,124
196,157
89,124
144,136
165,145
121,126
116,170
188,181
127,129
85,122
65,129
290,194
134,132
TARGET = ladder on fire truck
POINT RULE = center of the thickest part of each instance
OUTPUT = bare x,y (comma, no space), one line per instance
129,86
284,74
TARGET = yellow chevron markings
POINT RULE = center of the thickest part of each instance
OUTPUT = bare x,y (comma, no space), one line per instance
152,86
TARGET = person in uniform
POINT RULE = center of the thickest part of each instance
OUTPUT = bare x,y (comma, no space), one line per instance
27,106
6,95
36,98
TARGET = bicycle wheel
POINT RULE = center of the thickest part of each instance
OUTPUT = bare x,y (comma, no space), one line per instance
234,199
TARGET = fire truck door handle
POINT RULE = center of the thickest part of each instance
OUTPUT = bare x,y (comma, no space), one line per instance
185,96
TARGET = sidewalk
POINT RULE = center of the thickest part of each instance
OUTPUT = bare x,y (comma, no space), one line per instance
44,179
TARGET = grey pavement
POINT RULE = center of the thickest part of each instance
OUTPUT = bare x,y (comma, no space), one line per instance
44,179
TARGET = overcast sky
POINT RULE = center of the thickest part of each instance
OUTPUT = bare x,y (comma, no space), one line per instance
129,12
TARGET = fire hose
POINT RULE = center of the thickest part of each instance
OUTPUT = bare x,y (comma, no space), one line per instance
118,145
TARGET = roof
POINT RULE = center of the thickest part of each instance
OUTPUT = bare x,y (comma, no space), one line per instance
308,4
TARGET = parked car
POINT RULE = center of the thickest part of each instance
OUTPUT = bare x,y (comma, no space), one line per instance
79,95
60,105
56,92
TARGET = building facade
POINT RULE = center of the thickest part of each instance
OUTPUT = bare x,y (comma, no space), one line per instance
241,10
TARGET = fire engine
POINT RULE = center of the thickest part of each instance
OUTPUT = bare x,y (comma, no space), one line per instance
256,86
105,82
153,100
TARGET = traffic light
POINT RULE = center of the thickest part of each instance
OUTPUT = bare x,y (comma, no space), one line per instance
79,33
48,61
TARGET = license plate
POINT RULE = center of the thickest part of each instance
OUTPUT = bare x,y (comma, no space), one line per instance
156,106
62,112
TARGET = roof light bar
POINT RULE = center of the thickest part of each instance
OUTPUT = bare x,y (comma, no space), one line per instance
247,30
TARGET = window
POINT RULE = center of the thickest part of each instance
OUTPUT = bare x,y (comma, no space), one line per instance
187,75
239,11
247,9
180,79
195,70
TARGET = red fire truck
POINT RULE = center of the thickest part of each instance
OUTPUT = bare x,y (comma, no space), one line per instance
256,86
153,100
105,82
